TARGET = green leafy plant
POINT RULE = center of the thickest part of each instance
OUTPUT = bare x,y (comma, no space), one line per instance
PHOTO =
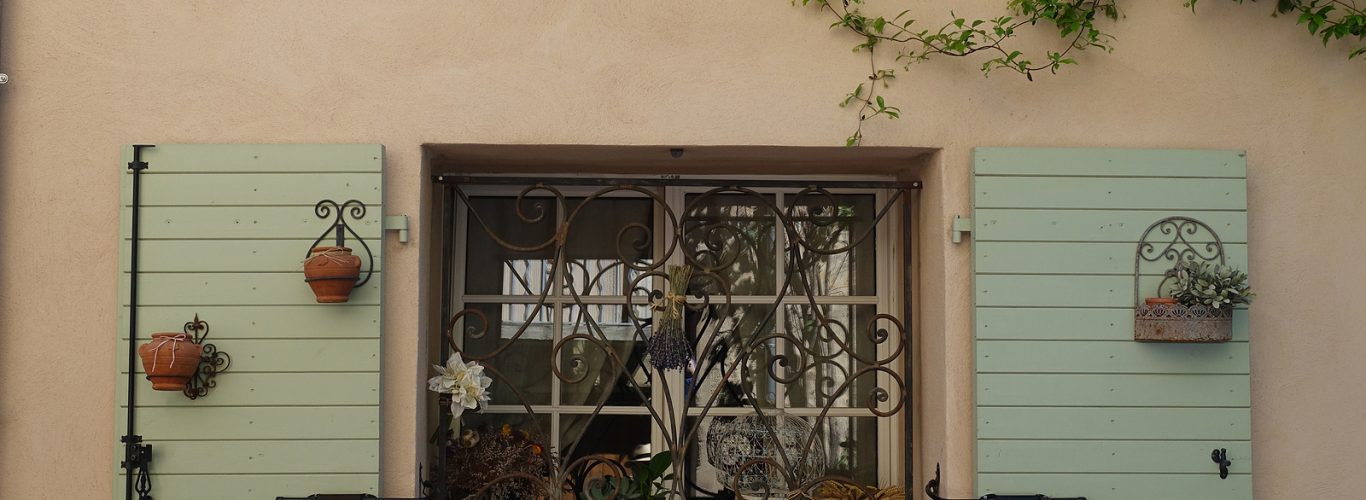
1074,20
1327,19
646,482
1219,287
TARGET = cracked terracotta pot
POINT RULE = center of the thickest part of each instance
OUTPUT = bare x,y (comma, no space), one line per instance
332,273
169,360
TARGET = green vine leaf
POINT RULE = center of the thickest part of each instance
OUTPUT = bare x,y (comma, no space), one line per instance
1074,20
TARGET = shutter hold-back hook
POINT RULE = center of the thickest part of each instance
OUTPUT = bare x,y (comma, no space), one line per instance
1220,456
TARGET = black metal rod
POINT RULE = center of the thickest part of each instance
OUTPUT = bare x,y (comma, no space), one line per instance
439,474
131,440
909,208
672,181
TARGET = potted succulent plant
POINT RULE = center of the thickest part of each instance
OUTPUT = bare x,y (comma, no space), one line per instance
1199,308
1213,286
332,273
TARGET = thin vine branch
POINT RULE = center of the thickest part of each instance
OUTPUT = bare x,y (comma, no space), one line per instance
1075,21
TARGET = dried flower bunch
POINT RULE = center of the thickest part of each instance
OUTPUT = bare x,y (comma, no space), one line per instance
834,490
1214,286
465,382
480,457
669,347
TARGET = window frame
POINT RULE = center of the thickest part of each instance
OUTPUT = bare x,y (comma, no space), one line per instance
891,258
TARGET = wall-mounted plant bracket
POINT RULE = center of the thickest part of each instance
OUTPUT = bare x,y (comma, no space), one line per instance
212,361
334,271
1179,241
340,228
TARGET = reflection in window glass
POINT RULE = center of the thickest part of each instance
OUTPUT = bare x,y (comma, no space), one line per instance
732,235
525,364
833,223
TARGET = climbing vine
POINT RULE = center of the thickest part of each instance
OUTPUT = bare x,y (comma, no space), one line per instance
1328,19
1075,21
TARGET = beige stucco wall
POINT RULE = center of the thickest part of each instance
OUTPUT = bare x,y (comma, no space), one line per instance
90,76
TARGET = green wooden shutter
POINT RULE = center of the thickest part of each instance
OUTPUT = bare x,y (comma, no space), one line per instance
1067,403
224,232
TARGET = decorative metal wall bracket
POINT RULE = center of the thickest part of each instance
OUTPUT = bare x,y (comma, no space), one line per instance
1169,240
212,361
340,228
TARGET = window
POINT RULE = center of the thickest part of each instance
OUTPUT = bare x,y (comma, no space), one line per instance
790,314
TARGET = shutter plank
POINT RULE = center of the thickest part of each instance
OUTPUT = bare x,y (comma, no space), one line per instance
267,322
267,456
254,222
1018,257
1116,324
261,158
1099,456
1110,193
285,355
1102,390
1110,162
269,389
1030,356
242,189
1114,423
1092,226
263,422
241,289
258,486
1121,486
241,256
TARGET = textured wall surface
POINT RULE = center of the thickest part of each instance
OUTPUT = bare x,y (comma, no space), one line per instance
90,76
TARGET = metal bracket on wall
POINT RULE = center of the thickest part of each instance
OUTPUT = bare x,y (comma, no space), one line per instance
212,362
340,228
960,226
397,223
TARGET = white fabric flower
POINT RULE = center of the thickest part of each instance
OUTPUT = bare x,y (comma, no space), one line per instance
465,382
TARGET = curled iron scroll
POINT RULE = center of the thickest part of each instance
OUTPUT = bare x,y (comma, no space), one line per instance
340,228
1176,240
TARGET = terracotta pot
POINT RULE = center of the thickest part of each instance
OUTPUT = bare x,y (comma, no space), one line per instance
332,273
169,360
1159,301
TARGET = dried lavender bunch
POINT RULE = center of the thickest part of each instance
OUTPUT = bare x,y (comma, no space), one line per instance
668,346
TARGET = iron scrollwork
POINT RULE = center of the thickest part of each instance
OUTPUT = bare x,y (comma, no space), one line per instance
212,361
340,228
1176,240
709,246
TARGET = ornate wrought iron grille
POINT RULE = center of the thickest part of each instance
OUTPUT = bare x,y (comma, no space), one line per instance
568,277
